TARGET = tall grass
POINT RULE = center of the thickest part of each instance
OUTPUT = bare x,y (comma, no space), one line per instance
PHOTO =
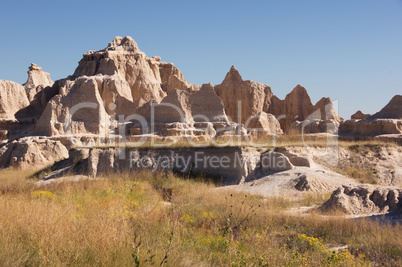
149,218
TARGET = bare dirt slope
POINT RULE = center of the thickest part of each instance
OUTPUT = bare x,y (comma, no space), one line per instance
296,182
368,163
356,164
381,163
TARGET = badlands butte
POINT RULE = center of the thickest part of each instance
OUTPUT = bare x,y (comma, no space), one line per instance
121,110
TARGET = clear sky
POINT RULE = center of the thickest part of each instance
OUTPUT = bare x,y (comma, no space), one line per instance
349,50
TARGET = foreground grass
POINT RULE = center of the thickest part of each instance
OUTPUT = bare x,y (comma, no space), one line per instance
145,219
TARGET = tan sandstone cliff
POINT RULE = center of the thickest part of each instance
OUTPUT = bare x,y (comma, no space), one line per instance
387,121
297,106
12,99
121,80
359,115
114,81
244,98
393,110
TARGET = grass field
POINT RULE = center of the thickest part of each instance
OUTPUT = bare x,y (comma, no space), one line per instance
153,219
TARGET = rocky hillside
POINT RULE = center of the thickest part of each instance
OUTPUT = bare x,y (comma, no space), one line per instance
122,94
120,79
388,121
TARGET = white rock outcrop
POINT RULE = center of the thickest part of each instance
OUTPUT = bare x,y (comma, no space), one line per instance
274,162
365,200
12,99
31,152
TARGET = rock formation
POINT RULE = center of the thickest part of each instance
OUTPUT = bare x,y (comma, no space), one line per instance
21,105
39,89
314,126
78,109
371,127
122,58
359,116
121,80
364,200
31,152
297,106
37,80
12,99
117,80
147,78
393,110
240,161
326,109
201,106
249,98
387,121
263,124
114,91
295,159
206,106
274,162
180,110
245,97
172,78
173,108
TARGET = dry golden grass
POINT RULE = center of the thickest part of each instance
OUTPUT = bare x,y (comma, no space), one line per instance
261,142
163,219
13,181
312,199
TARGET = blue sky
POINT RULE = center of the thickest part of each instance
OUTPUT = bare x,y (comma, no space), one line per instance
349,50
